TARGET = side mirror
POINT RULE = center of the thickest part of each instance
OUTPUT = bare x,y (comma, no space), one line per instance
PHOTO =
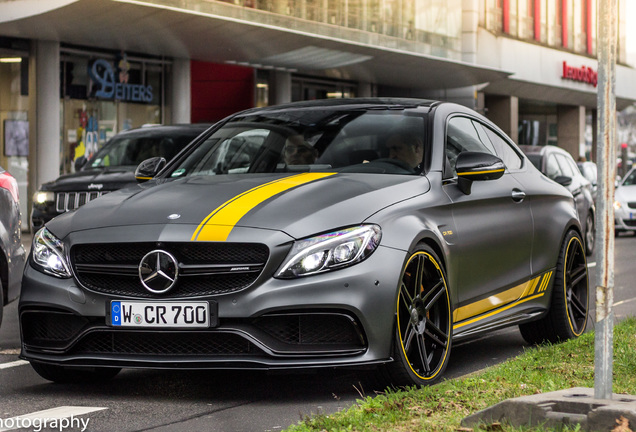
563,180
477,166
80,162
149,168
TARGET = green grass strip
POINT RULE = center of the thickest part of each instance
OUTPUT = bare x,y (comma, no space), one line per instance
442,407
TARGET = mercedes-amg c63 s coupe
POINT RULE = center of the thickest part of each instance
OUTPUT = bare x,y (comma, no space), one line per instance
339,233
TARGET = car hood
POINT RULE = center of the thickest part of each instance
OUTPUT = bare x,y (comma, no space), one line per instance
93,179
212,206
626,193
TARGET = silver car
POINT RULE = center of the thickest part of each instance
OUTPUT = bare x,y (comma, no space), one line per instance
625,204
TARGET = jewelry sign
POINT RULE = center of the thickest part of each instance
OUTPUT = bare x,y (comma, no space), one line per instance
107,84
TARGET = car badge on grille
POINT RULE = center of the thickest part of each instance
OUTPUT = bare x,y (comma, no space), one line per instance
97,186
158,271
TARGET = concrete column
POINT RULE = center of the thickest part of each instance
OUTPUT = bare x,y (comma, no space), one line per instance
282,87
470,22
44,114
504,112
571,128
180,85
365,89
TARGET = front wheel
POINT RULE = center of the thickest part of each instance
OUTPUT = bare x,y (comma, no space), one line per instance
423,323
569,307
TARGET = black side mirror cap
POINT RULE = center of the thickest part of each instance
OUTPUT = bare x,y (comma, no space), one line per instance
80,162
563,180
477,166
149,168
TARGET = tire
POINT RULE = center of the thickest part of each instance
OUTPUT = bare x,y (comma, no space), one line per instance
590,235
63,374
569,307
423,324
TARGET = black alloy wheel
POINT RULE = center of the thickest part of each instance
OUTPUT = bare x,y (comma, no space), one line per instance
569,308
590,234
423,322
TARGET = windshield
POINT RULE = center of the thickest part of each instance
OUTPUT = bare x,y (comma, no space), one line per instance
380,141
630,179
131,150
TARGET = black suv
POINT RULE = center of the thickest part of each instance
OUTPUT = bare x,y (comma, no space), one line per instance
111,168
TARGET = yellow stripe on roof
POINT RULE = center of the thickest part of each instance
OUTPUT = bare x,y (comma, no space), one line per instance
218,224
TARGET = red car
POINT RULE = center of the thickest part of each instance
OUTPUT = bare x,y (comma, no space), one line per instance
12,253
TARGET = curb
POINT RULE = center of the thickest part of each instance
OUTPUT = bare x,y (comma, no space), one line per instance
564,407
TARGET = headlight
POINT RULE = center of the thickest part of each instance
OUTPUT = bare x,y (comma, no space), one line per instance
330,251
617,205
49,254
41,197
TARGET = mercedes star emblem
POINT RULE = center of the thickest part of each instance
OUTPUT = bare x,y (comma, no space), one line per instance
158,271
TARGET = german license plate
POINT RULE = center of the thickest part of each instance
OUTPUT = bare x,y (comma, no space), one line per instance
190,314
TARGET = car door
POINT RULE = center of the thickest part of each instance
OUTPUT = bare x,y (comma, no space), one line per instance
493,225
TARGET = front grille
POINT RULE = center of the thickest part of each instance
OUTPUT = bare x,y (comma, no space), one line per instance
631,205
312,329
164,343
65,201
630,222
205,268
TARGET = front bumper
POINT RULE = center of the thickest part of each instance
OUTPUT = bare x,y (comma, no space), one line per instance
625,219
339,318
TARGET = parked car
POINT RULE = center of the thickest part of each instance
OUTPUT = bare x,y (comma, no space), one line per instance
625,204
558,165
12,253
405,226
590,172
110,168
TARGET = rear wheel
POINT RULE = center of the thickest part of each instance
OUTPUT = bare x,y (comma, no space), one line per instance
569,308
423,332
63,374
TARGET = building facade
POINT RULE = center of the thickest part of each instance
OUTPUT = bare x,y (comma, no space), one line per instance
75,72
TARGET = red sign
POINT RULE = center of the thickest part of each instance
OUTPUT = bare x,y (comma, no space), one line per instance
583,74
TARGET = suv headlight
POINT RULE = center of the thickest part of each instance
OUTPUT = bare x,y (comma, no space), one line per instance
49,254
330,251
41,197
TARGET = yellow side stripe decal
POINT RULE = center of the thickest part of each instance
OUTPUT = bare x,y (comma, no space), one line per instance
499,310
494,301
218,224
511,297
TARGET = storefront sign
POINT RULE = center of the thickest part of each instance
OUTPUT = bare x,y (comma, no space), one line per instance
103,75
583,74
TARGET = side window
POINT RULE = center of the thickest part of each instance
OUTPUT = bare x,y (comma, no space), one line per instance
552,169
508,155
461,136
565,166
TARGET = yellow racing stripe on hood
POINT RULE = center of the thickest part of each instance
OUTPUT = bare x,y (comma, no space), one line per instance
218,224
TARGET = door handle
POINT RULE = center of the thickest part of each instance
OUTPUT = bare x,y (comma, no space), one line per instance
518,195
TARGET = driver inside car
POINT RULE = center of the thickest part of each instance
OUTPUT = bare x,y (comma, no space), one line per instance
298,152
406,147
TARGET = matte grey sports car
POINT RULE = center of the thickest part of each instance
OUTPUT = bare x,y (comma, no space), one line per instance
361,232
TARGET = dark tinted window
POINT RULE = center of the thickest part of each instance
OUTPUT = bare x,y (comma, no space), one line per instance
508,155
462,135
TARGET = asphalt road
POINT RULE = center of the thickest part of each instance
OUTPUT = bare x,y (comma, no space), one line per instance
151,400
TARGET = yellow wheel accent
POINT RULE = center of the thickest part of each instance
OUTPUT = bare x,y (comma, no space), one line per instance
575,286
424,323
